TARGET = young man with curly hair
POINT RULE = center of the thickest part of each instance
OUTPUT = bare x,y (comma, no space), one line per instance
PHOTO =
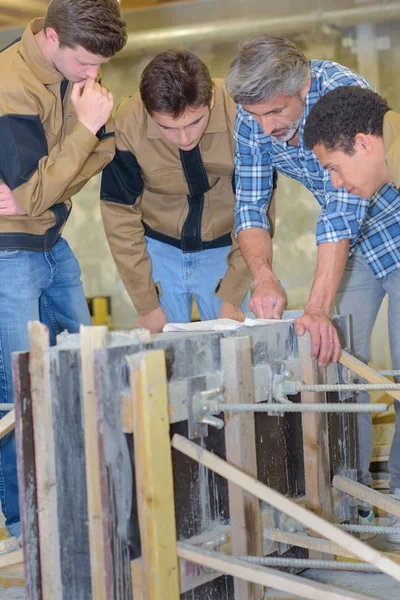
56,133
356,137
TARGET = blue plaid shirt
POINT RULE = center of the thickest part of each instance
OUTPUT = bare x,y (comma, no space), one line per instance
373,224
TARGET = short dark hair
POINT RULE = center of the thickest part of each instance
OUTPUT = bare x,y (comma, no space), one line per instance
96,25
341,114
174,81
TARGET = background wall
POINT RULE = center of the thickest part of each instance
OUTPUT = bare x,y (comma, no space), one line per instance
372,50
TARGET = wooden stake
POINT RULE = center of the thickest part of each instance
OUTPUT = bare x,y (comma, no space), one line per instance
269,577
7,423
362,492
27,488
369,374
306,541
39,368
154,482
92,338
317,468
244,509
309,519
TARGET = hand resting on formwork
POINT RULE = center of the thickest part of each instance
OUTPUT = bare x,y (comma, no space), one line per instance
8,202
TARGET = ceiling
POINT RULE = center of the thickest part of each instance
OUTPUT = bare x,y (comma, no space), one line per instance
17,13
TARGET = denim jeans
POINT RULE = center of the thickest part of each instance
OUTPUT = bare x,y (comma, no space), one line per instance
360,295
43,286
181,274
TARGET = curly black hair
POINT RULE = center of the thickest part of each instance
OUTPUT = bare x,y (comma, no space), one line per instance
341,114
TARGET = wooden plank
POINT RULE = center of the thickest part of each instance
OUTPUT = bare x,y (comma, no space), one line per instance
366,494
382,434
153,469
11,559
39,368
24,438
381,452
306,541
7,423
244,509
367,373
317,466
269,577
92,338
70,472
308,518
115,478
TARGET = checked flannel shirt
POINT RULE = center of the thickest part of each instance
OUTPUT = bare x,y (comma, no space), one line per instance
373,223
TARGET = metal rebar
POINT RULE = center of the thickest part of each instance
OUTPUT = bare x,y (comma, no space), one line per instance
347,387
370,529
390,373
322,408
272,561
291,562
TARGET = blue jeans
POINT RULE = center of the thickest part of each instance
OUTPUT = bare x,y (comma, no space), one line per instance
179,274
360,295
43,286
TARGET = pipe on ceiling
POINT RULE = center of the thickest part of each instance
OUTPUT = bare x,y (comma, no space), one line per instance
233,30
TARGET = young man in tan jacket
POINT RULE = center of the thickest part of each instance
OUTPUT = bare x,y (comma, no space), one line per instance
168,196
55,135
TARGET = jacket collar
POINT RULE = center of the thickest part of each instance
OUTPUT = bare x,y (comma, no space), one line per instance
216,123
33,56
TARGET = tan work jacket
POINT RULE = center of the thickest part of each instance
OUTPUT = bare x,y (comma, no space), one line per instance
46,155
185,199
391,140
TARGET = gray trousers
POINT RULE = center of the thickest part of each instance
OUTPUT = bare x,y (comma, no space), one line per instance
360,296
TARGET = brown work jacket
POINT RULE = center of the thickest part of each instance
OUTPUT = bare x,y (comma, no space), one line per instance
46,155
185,199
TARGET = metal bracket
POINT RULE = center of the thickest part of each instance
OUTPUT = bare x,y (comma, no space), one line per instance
204,405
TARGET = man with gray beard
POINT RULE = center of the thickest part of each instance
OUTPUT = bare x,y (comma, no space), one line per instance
275,88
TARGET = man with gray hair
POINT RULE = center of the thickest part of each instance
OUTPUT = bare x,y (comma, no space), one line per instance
275,87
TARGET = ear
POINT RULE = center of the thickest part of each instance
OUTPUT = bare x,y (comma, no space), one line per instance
363,143
305,89
212,101
52,37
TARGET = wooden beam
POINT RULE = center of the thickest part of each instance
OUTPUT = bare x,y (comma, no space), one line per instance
240,441
11,559
285,505
92,338
27,487
367,373
39,368
153,470
268,577
317,468
305,541
381,453
362,492
7,423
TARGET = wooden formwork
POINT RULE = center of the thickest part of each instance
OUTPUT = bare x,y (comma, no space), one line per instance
106,502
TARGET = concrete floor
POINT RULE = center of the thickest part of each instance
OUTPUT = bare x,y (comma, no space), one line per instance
375,585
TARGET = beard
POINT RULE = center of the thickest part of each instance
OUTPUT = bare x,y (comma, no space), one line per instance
284,135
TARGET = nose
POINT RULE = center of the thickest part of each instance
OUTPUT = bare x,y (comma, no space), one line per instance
184,137
267,124
92,72
337,181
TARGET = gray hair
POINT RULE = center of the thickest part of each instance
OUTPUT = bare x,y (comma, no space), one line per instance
265,68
